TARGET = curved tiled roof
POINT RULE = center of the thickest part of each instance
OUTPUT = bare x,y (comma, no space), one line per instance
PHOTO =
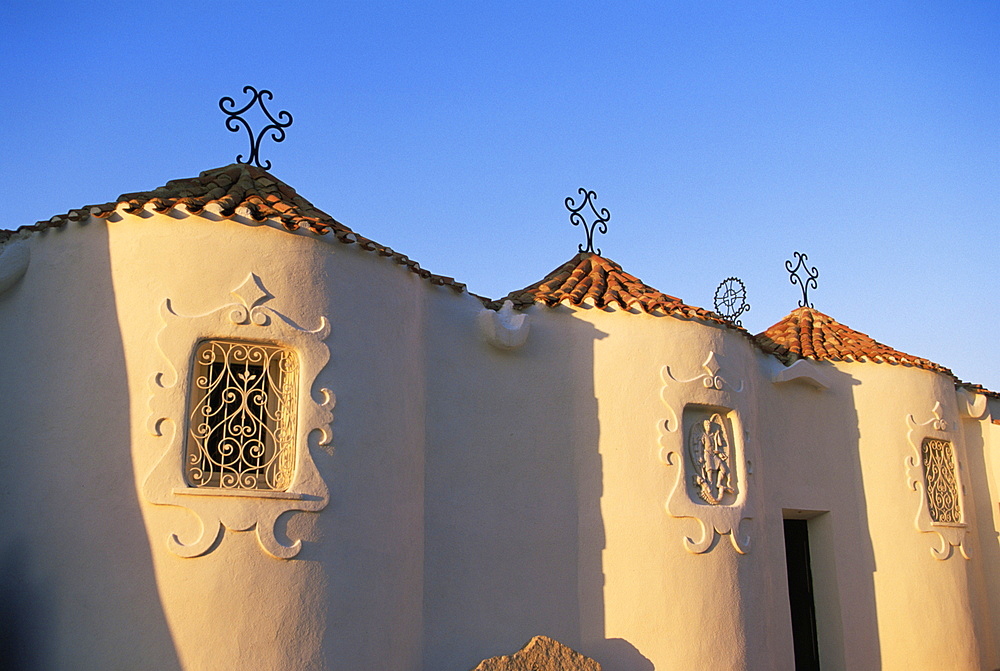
979,389
601,282
243,190
253,193
810,334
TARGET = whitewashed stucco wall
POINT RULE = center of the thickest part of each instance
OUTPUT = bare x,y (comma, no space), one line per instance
811,469
506,431
674,607
77,583
918,597
352,598
477,496
983,448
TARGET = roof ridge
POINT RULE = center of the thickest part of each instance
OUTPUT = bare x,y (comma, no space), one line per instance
235,189
807,333
602,281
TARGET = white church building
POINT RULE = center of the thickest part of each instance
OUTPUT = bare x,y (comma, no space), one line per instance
236,434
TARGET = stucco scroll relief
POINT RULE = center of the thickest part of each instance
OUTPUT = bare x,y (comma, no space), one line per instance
703,439
14,258
710,379
970,404
219,508
933,471
504,328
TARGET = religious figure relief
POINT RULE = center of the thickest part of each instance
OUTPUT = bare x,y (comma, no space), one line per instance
709,451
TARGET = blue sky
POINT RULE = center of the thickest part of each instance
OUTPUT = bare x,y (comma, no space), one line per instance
722,136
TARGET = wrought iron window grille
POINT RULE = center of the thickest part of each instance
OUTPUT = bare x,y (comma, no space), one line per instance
242,418
940,482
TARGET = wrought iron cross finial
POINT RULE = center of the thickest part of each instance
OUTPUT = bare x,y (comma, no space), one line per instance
601,217
731,299
234,120
795,278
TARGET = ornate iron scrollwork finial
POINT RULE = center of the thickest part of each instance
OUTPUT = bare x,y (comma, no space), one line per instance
602,217
234,120
731,299
795,278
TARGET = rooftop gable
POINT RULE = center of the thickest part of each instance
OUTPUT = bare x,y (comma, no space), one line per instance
807,333
591,279
236,190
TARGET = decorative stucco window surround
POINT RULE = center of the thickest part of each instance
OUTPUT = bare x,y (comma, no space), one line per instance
704,439
278,473
934,472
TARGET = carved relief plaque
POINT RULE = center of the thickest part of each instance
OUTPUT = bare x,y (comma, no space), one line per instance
706,449
710,452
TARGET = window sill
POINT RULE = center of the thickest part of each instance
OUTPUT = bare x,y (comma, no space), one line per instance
242,493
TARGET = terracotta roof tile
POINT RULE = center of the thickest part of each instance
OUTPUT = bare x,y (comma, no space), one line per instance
979,389
810,334
585,279
592,279
237,189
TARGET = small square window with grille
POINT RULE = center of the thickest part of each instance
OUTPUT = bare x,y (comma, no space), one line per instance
242,416
940,481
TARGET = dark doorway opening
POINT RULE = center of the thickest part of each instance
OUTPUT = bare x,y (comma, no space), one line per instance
800,595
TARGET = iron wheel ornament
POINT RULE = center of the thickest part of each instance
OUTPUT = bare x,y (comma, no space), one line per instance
810,280
731,299
235,121
600,222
